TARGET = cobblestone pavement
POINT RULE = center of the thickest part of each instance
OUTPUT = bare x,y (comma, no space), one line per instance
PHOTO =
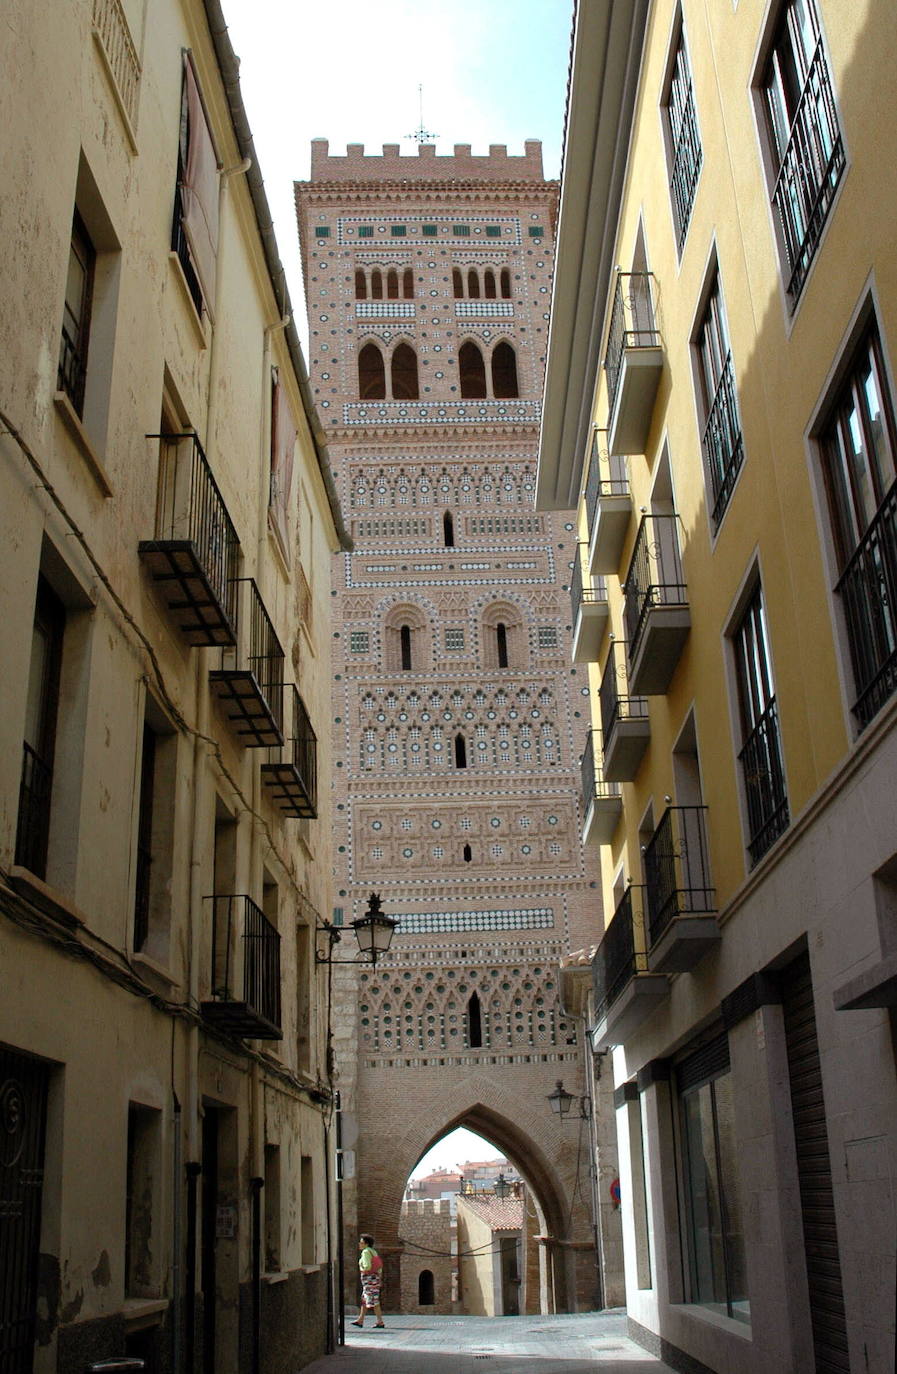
490,1345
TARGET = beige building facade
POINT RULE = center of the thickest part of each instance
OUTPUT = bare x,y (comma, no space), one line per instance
167,519
720,398
460,723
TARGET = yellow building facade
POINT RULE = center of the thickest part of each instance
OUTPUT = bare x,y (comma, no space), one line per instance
720,401
167,519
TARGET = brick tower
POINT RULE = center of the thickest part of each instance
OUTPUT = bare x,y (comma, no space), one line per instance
457,712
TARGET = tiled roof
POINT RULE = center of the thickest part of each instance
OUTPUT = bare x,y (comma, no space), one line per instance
502,1214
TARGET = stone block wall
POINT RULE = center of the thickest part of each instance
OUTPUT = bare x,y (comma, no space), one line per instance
426,1228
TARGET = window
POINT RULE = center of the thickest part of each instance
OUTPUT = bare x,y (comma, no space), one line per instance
283,446
365,231
457,284
472,372
271,1200
405,643
428,231
548,637
505,284
361,286
473,285
371,374
461,231
392,284
73,343
859,456
683,140
460,752
156,836
803,136
714,1228
377,284
501,644
722,441
454,639
359,641
474,1022
142,1245
307,1209
195,221
493,231
322,231
762,771
504,372
397,230
448,530
489,284
408,284
403,369
35,792
536,231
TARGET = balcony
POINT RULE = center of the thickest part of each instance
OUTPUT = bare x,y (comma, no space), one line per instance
655,613
249,683
602,805
626,993
245,970
868,592
764,783
291,772
679,897
194,557
625,727
590,612
633,363
811,169
608,503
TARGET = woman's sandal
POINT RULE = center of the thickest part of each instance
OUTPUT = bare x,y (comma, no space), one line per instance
357,1323
379,1326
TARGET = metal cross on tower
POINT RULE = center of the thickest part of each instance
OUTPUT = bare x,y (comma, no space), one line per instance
422,134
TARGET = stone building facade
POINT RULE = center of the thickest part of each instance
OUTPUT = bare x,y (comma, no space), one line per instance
427,1234
456,786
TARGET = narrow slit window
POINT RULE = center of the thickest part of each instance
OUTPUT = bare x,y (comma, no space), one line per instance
501,640
474,1022
505,284
371,374
405,647
408,284
361,286
489,285
377,284
457,284
404,374
460,752
448,530
392,284
473,285
504,372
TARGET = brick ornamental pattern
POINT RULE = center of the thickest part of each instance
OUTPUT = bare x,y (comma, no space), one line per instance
457,778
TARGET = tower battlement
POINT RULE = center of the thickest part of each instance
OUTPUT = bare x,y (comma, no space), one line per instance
392,165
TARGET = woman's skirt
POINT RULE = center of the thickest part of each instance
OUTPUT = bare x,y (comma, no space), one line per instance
370,1289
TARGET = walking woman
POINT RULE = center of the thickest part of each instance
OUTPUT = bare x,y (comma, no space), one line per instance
370,1266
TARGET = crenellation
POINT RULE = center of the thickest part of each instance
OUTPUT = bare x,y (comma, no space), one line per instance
460,165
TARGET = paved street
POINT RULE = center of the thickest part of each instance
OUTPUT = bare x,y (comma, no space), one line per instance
505,1345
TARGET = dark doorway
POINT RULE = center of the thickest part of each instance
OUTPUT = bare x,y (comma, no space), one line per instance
23,1117
510,1277
426,1295
209,1231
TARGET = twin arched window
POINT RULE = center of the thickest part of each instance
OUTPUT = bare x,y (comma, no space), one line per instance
378,284
402,374
472,371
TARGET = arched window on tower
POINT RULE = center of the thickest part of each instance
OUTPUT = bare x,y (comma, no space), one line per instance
457,284
426,1292
505,284
489,284
377,284
501,643
460,752
504,372
448,530
371,374
405,647
361,286
473,372
392,284
408,284
404,374
474,1022
473,285
467,854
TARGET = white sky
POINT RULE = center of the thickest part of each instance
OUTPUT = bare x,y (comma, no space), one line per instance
492,71
460,1147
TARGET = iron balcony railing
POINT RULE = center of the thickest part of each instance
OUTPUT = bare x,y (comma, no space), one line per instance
613,694
723,447
868,591
195,554
608,476
33,827
250,679
72,370
764,783
591,776
687,157
291,772
811,169
677,869
245,965
111,25
589,592
617,960
632,325
655,574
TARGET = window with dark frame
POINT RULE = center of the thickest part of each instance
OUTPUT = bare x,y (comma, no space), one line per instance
39,744
859,457
804,136
722,440
194,229
714,1226
760,756
684,152
75,336
144,839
